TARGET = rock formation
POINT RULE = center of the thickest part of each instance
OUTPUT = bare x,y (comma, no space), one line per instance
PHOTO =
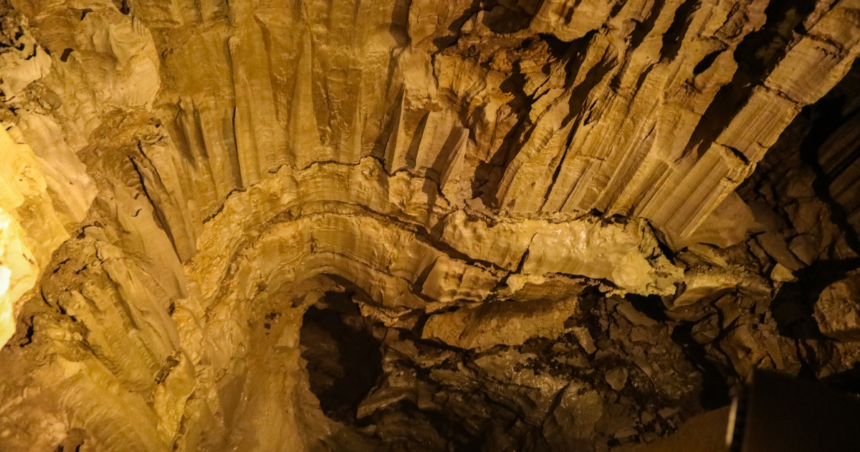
418,225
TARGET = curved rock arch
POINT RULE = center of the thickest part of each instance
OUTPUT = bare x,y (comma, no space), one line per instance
172,173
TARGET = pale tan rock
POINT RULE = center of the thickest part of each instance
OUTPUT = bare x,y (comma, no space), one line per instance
726,225
453,280
529,287
584,338
504,322
181,181
36,213
24,61
781,273
702,282
625,254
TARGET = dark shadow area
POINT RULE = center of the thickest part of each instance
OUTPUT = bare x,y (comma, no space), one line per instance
848,381
443,42
673,38
122,6
652,306
794,304
489,173
826,119
715,389
453,430
343,359
510,17
643,28
706,62
73,442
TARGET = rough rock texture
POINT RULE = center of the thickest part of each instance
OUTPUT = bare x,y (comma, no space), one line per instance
418,225
838,310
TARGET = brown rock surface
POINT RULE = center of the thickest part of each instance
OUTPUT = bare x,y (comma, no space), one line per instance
417,225
838,309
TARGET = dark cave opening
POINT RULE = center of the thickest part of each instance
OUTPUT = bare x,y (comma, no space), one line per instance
344,360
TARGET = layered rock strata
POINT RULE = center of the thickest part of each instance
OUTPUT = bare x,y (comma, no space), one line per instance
524,214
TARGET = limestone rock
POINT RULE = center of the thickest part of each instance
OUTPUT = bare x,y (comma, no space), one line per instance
838,309
421,225
38,209
616,378
494,323
625,254
572,423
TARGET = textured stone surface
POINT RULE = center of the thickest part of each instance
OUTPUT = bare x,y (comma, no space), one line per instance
526,210
838,309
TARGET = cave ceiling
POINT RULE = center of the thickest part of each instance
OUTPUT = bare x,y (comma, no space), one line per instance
426,225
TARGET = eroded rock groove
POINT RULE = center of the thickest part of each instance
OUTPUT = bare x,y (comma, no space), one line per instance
419,225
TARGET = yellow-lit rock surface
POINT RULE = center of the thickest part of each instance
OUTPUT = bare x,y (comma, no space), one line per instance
419,225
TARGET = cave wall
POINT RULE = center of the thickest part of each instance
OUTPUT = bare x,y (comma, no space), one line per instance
176,174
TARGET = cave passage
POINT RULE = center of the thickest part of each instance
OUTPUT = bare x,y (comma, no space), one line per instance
421,225
343,358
